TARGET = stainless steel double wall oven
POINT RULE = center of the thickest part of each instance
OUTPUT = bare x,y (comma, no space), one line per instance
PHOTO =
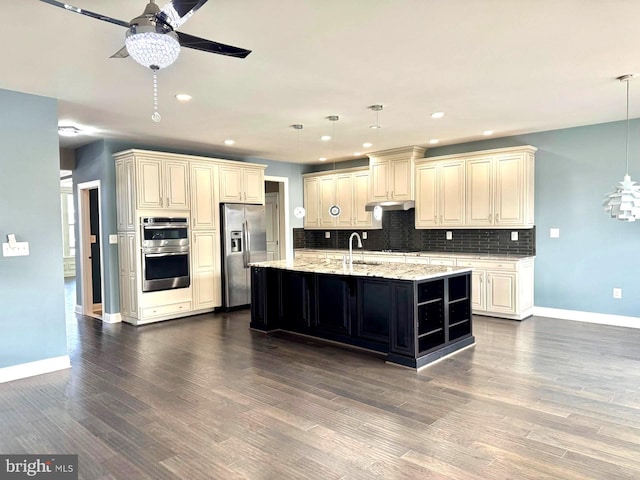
165,253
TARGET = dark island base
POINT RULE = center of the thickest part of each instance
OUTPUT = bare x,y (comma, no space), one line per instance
413,322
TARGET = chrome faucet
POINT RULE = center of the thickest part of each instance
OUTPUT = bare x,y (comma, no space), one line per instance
354,234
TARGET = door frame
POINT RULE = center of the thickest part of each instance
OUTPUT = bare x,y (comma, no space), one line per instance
84,230
278,221
285,240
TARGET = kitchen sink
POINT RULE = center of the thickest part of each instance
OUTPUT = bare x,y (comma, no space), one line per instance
364,262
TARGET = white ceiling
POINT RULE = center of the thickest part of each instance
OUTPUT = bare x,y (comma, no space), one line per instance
512,66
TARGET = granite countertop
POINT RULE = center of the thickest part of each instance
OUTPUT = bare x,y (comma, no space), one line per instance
476,256
395,271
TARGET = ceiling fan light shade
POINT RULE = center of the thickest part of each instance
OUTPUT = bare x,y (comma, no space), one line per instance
152,49
624,202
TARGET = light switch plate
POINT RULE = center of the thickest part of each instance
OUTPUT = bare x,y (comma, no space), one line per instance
617,293
449,235
113,239
554,233
514,236
20,249
327,234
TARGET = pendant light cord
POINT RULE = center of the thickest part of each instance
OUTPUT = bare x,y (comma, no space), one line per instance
627,152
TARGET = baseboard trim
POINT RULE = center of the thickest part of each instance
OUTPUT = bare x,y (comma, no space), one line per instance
24,370
589,317
78,310
111,317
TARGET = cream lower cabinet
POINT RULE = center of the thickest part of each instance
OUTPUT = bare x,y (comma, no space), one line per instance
502,289
440,194
348,189
128,277
205,270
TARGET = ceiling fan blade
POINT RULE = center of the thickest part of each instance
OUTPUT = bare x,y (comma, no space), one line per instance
197,43
88,13
122,53
176,12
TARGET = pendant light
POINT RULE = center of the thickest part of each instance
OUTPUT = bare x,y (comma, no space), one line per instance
334,210
624,202
299,212
377,210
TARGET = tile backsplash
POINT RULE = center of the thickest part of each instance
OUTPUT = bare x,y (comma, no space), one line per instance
398,233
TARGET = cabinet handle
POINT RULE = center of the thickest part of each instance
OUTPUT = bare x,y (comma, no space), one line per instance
441,219
435,219
489,217
497,221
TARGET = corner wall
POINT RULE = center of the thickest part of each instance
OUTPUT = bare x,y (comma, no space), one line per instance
32,317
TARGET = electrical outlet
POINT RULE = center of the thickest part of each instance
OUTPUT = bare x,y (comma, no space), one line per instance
554,233
514,236
113,239
364,235
617,293
449,235
327,234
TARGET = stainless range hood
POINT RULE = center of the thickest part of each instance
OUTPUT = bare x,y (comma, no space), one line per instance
391,205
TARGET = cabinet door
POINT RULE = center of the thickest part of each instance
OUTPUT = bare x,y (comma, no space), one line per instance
205,284
344,199
120,195
401,180
132,257
426,196
253,185
150,191
177,184
478,290
312,202
203,197
452,193
327,198
374,310
378,181
361,218
333,317
402,335
479,204
129,199
230,184
509,190
501,292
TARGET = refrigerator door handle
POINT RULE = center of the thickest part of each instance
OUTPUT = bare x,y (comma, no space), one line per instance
245,250
248,244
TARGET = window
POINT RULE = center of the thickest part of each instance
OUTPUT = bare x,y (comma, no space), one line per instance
68,222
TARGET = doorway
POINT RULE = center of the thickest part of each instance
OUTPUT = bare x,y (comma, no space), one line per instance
91,255
279,246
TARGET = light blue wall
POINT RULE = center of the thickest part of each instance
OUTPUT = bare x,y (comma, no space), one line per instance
575,168
32,319
95,162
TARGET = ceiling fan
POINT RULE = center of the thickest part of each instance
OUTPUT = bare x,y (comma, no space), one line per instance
152,41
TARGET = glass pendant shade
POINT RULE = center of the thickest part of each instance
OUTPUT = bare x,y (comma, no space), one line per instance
151,49
624,202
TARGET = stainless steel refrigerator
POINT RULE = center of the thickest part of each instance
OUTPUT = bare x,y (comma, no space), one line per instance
244,240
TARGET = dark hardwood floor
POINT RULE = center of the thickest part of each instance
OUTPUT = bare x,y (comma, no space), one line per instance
206,398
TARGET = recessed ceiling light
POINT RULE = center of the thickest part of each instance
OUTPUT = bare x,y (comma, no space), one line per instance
229,142
357,154
325,138
183,97
486,133
68,131
433,141
367,145
322,159
437,115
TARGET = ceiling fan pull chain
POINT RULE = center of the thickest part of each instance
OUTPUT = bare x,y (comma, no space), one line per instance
156,115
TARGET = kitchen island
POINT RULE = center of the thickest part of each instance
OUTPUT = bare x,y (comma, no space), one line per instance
414,314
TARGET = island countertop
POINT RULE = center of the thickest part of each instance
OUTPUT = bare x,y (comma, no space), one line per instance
395,271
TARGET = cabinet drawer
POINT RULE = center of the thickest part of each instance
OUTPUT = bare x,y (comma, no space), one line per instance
449,262
182,307
491,265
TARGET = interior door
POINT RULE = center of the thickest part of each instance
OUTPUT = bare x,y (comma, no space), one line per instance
272,225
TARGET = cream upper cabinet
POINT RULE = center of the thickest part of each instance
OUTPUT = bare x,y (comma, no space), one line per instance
241,184
327,199
360,217
162,184
500,188
125,189
348,189
344,199
204,196
391,174
312,202
440,194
